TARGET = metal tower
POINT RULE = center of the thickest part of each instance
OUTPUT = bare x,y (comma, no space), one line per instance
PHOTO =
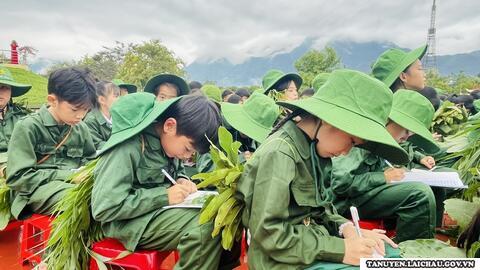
430,59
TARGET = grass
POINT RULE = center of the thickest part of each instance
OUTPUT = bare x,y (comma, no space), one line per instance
37,94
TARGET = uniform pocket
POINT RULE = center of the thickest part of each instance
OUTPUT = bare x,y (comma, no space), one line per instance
44,149
150,176
75,151
304,194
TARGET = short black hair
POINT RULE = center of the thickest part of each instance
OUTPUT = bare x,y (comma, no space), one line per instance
74,85
242,92
197,118
307,92
283,84
195,84
226,93
235,99
475,94
431,95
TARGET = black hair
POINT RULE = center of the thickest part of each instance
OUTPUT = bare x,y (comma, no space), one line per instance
475,94
235,99
471,234
307,92
398,83
242,92
290,116
465,100
194,85
74,85
226,93
197,118
196,91
103,89
431,95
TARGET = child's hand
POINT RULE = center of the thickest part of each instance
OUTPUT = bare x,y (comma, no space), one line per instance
380,238
428,162
177,193
191,186
356,248
394,174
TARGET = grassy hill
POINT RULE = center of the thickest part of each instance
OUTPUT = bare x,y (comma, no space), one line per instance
37,94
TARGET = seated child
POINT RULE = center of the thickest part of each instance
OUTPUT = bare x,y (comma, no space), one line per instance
167,86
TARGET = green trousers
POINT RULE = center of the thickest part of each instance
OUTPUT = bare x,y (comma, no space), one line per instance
412,204
179,229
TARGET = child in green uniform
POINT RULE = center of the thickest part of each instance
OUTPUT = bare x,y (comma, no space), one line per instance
48,146
401,70
288,213
281,86
130,190
250,123
167,86
359,178
125,88
10,113
99,120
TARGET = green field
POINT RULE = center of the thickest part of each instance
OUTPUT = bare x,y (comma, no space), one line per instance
38,94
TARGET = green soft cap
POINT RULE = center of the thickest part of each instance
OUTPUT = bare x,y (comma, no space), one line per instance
158,79
359,105
319,81
392,62
6,78
273,76
133,113
414,112
212,92
254,118
131,88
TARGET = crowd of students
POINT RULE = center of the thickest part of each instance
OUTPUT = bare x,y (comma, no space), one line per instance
308,157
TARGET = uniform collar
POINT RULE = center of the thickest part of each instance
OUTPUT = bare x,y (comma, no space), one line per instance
152,139
99,117
298,137
47,117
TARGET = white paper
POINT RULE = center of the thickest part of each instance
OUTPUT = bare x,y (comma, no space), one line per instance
194,200
435,179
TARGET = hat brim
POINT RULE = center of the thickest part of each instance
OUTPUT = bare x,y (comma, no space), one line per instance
170,78
123,135
18,89
379,141
130,87
238,118
409,58
292,76
422,137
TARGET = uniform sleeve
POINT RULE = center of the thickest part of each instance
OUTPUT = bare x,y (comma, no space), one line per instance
114,196
271,224
23,173
351,176
89,149
418,156
204,163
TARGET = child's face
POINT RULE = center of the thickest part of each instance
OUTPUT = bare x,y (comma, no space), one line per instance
66,113
5,94
166,92
291,93
123,91
414,77
108,100
399,133
333,142
175,146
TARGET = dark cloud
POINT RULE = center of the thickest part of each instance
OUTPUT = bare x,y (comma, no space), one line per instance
211,29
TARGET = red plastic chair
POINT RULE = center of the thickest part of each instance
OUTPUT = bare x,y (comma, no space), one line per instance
36,231
139,260
14,224
376,224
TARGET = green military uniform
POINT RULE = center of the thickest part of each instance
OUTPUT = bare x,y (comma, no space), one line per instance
37,187
99,127
284,186
130,189
12,115
358,178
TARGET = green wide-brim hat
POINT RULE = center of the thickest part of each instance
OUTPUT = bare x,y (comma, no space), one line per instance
392,62
213,92
131,88
273,76
359,105
167,78
18,89
254,118
319,81
414,112
133,113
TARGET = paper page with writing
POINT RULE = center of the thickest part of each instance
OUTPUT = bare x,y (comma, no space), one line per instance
194,200
436,179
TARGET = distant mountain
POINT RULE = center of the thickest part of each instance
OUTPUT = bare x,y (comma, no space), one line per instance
359,56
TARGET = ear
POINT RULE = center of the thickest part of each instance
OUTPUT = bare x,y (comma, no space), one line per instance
52,100
101,100
403,76
170,126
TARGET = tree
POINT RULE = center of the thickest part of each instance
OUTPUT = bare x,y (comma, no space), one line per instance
144,60
314,62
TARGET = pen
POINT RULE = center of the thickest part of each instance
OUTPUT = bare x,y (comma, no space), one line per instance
355,218
169,177
389,164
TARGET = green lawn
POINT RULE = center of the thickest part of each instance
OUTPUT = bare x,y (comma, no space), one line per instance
37,94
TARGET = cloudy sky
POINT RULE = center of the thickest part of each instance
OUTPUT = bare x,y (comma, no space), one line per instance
237,30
